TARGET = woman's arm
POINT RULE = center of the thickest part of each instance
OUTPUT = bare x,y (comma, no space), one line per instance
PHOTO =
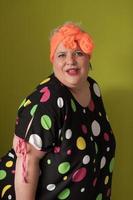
27,189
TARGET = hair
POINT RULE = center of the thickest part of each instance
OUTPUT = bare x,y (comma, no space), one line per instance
72,36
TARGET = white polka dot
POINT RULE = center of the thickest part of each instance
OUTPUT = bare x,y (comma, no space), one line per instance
108,148
51,187
96,89
36,141
86,159
9,196
82,189
60,102
68,133
103,162
95,128
91,138
59,132
84,111
11,155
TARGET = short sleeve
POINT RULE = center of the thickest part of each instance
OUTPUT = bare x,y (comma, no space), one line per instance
38,124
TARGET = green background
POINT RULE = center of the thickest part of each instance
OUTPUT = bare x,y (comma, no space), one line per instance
24,61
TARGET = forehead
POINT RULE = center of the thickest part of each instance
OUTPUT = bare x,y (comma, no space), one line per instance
62,48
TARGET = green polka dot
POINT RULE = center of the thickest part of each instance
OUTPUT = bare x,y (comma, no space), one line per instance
64,167
73,105
2,174
33,110
23,102
99,197
46,122
96,147
49,161
111,166
64,194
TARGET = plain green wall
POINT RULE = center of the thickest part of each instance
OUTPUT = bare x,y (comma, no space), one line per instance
24,62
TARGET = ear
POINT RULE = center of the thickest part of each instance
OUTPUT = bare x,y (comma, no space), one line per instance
90,66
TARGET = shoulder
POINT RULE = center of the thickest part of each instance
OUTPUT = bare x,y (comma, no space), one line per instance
48,93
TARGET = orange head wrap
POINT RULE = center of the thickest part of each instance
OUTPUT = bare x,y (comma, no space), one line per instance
71,36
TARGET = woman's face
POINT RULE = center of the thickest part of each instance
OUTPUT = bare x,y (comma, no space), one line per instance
71,66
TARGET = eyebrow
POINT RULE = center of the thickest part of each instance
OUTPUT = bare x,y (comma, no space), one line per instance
61,52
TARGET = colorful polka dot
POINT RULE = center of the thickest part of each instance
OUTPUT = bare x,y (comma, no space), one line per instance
9,196
64,167
84,129
23,102
111,166
49,161
45,81
96,89
99,197
2,174
80,143
94,182
27,103
69,152
96,147
106,180
68,134
65,178
36,141
103,162
64,194
91,105
95,128
46,122
51,187
73,105
106,137
33,110
60,102
82,189
79,175
9,163
46,94
5,189
86,159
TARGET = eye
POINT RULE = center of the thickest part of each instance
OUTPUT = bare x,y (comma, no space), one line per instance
78,53
61,55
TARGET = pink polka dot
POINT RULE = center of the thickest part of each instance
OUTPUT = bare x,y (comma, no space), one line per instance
79,175
91,105
65,117
17,120
108,192
56,149
84,128
46,94
94,182
106,137
69,152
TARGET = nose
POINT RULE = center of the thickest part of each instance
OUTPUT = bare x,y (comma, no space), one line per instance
70,60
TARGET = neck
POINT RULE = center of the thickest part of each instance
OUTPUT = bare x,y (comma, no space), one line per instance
81,88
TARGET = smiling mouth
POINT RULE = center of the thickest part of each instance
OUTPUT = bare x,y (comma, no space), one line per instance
73,71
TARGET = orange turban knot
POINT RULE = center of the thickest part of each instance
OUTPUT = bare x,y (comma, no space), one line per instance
71,36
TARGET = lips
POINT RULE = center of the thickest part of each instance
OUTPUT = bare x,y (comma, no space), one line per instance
72,71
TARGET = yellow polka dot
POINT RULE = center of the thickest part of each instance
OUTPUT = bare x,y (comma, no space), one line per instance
100,113
81,144
9,163
45,81
106,180
27,103
65,178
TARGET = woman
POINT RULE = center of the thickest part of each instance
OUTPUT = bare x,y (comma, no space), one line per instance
63,145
